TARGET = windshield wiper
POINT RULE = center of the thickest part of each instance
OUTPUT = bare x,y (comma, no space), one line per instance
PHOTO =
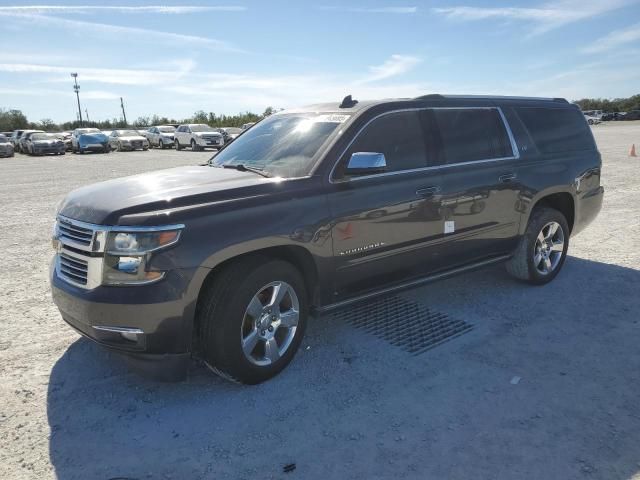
243,168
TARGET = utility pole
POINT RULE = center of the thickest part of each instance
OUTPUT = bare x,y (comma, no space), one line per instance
124,115
76,88
87,114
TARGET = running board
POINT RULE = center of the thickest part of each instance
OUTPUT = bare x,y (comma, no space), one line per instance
411,284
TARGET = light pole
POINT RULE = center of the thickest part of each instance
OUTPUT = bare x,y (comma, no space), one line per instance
124,115
76,88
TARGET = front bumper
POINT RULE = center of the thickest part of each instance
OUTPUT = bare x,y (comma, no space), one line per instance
6,152
49,149
93,147
161,313
205,143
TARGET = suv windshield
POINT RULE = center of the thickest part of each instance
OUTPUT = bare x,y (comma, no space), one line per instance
128,133
202,128
282,145
167,129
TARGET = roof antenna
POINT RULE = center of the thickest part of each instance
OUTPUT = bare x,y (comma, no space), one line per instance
348,102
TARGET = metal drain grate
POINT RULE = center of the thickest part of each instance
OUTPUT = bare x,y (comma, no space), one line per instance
405,324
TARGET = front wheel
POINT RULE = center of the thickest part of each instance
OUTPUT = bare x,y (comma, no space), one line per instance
194,146
251,319
542,249
178,146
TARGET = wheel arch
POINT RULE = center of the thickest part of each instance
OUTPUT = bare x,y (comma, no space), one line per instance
296,255
562,200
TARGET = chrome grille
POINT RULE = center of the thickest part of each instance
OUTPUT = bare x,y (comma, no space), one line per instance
136,143
73,268
75,233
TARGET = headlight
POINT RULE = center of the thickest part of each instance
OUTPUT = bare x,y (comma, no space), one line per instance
128,253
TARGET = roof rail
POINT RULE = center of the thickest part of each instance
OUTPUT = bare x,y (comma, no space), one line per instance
429,97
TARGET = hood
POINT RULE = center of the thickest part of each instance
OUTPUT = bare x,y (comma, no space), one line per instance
93,137
106,202
46,142
208,134
132,138
167,134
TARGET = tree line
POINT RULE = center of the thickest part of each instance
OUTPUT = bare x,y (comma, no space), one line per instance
607,105
15,120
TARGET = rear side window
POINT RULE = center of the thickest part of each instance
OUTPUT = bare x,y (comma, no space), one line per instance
557,129
470,134
398,136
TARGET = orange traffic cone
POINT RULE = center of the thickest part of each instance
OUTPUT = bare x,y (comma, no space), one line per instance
632,152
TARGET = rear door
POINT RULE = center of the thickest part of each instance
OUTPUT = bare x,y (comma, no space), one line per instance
385,221
480,186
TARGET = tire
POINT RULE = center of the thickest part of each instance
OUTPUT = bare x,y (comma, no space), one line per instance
528,261
222,319
178,147
194,146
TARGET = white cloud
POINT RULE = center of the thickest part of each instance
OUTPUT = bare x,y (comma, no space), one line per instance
117,30
394,66
397,10
546,17
97,75
163,9
615,39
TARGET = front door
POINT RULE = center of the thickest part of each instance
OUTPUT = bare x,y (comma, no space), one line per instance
384,222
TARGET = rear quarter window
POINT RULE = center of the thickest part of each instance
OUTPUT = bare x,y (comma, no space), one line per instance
556,130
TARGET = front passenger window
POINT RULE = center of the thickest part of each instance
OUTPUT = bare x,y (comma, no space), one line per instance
398,136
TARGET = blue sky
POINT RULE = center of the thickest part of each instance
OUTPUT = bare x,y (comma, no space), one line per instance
175,58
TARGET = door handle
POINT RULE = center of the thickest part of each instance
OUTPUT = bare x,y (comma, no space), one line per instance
427,192
507,177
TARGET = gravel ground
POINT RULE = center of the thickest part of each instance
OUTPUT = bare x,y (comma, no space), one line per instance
350,406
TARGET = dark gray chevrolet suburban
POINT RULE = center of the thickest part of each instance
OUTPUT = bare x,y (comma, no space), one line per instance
314,209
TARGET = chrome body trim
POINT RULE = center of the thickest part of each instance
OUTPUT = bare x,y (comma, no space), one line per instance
514,147
412,283
135,331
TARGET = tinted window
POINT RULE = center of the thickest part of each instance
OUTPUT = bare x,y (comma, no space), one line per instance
398,136
470,134
557,129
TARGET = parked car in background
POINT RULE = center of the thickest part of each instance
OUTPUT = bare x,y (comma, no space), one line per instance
6,147
22,144
44,143
230,133
161,136
89,140
66,138
632,115
593,113
15,139
591,120
246,126
107,132
198,136
127,139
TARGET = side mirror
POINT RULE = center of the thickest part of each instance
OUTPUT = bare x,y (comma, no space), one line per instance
365,163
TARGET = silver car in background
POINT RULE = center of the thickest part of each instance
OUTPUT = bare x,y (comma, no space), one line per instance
22,143
45,143
6,147
127,139
161,136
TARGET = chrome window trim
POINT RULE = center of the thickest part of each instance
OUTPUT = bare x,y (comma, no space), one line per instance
514,147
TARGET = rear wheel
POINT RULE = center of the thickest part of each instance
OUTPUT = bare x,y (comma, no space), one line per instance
542,249
251,319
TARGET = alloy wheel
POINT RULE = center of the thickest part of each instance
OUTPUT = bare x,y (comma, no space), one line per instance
549,248
270,323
